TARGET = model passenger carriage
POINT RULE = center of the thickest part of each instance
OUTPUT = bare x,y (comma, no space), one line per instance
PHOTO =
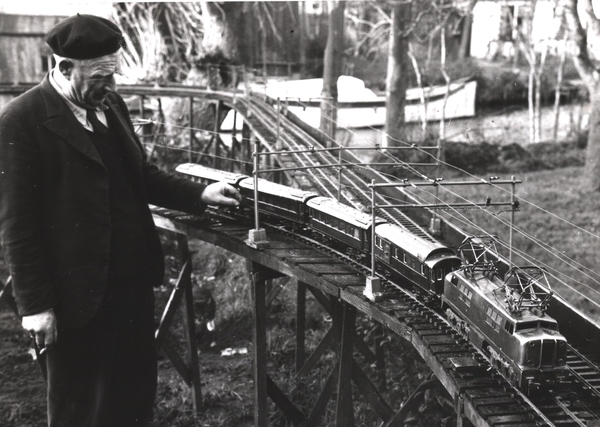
209,175
412,258
525,344
506,319
278,200
341,222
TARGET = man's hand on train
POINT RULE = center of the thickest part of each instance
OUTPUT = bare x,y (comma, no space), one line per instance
42,327
220,193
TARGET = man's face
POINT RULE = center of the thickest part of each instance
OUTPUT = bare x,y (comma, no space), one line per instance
92,80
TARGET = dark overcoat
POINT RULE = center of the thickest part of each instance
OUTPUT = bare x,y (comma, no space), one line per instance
55,224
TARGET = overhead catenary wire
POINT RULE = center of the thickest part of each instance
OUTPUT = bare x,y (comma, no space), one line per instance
396,161
465,221
554,252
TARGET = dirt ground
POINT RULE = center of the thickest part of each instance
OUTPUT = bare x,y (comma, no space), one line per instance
226,383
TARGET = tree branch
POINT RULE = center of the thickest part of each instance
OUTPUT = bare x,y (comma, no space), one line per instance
581,56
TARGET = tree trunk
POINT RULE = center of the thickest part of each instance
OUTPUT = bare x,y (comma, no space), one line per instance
465,37
332,69
397,74
214,69
302,29
588,73
592,158
557,89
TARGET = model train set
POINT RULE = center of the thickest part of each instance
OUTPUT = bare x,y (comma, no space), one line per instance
504,317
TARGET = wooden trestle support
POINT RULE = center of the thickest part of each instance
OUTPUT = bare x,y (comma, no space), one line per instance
341,338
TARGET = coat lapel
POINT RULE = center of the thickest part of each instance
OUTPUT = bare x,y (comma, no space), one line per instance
126,137
63,123
131,149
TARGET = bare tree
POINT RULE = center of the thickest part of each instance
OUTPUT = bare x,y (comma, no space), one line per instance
397,72
586,61
465,37
332,68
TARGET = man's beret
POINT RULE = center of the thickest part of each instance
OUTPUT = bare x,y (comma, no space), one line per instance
84,37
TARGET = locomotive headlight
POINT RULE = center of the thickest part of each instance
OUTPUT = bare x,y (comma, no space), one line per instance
532,353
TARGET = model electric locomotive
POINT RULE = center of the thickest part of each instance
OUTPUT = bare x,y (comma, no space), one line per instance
505,319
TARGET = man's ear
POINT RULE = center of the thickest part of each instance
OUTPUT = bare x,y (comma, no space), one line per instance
66,67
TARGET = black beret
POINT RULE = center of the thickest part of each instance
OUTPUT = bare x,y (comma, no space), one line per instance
84,37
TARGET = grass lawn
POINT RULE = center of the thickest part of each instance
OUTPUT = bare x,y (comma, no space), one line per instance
572,229
557,227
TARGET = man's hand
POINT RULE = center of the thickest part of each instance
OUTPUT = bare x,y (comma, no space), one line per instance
220,193
42,327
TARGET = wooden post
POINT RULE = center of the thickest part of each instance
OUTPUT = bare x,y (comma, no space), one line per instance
188,370
191,112
380,358
189,322
234,142
300,324
217,126
344,406
259,344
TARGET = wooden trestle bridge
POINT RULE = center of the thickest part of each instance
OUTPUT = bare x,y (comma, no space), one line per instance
479,393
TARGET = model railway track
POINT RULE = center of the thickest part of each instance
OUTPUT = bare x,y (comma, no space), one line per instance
356,186
574,403
586,371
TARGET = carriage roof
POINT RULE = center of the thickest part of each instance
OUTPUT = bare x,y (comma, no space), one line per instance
274,189
341,211
410,243
211,174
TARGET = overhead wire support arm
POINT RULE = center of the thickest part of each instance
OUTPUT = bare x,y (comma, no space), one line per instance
320,150
444,183
337,165
450,205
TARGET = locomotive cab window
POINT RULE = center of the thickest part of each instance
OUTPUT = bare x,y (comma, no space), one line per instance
509,327
548,325
526,325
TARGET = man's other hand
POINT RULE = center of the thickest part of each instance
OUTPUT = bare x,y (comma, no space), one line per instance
220,193
42,327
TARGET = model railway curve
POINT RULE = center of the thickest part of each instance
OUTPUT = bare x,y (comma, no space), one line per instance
575,404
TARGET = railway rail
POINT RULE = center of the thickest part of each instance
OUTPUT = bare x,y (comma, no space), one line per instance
481,393
575,403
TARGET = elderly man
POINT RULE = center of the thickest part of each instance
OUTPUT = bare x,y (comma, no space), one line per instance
77,232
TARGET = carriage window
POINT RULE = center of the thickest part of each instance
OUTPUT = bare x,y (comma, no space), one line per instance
493,318
422,269
356,233
404,257
465,295
440,274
